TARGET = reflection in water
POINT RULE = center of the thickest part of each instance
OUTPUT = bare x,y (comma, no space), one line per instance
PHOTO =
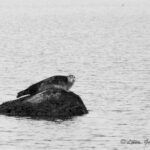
107,51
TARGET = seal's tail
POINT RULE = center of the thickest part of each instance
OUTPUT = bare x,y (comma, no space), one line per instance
25,92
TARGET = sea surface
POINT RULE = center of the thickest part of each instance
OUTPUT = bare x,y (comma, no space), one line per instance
106,46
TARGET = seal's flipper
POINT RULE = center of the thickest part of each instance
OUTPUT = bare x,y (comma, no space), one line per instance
22,93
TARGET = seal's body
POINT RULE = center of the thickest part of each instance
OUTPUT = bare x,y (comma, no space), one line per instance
60,82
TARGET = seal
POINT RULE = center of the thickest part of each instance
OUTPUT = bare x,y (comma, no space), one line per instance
58,81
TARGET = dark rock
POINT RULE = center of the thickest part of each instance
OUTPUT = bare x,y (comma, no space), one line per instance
51,104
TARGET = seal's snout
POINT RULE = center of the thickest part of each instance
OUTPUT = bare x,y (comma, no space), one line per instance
71,78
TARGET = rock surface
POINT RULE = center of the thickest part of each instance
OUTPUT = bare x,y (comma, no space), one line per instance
51,104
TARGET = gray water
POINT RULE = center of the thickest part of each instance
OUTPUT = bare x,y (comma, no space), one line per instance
107,48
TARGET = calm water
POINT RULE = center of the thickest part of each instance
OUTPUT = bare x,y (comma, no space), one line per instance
106,48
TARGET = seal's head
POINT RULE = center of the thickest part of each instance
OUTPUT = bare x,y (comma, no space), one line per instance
71,78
